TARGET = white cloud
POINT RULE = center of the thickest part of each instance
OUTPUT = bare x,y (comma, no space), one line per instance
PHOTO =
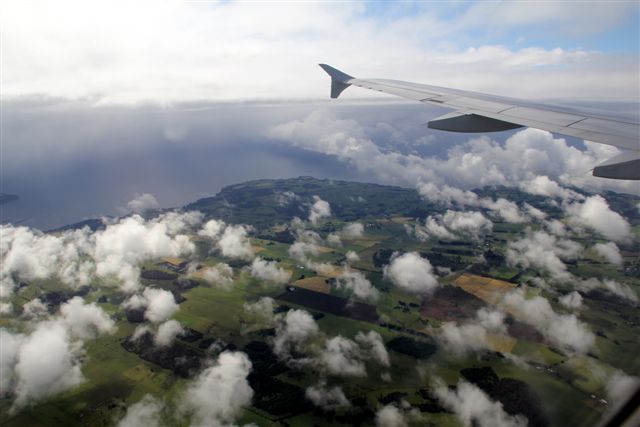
609,251
355,282
293,330
123,245
9,352
146,413
406,47
38,377
472,223
34,309
473,407
353,230
543,251
85,320
341,357
220,275
390,416
262,309
564,330
572,300
234,242
472,336
372,345
611,286
212,229
226,380
327,398
411,273
352,256
595,213
620,386
167,332
319,209
142,202
480,161
269,271
159,304
541,185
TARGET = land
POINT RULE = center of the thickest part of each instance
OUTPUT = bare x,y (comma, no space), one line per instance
119,370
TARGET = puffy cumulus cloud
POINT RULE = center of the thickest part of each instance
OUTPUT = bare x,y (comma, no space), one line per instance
447,195
34,309
342,357
9,351
473,407
472,223
411,273
159,304
390,416
27,375
353,230
572,300
28,254
327,398
595,213
372,344
269,271
262,309
480,161
352,256
334,239
226,379
142,202
284,198
319,209
609,251
293,329
611,286
220,275
146,413
234,242
505,209
541,185
564,330
556,227
299,250
502,208
38,377
534,212
120,247
620,386
167,332
85,320
212,229
543,251
357,284
473,336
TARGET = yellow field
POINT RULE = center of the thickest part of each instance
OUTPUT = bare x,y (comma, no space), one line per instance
257,249
501,343
487,289
401,219
315,283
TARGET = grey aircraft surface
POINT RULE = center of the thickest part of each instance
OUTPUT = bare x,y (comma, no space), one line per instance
477,112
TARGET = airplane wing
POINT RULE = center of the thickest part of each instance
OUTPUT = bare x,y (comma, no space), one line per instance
477,112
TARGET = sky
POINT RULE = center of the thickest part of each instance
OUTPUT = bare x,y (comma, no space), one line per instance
105,101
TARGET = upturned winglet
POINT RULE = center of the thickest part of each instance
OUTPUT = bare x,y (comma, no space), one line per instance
339,80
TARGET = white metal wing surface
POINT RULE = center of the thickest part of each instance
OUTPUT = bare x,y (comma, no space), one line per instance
476,112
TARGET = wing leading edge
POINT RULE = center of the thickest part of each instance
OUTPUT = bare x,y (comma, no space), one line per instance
477,112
